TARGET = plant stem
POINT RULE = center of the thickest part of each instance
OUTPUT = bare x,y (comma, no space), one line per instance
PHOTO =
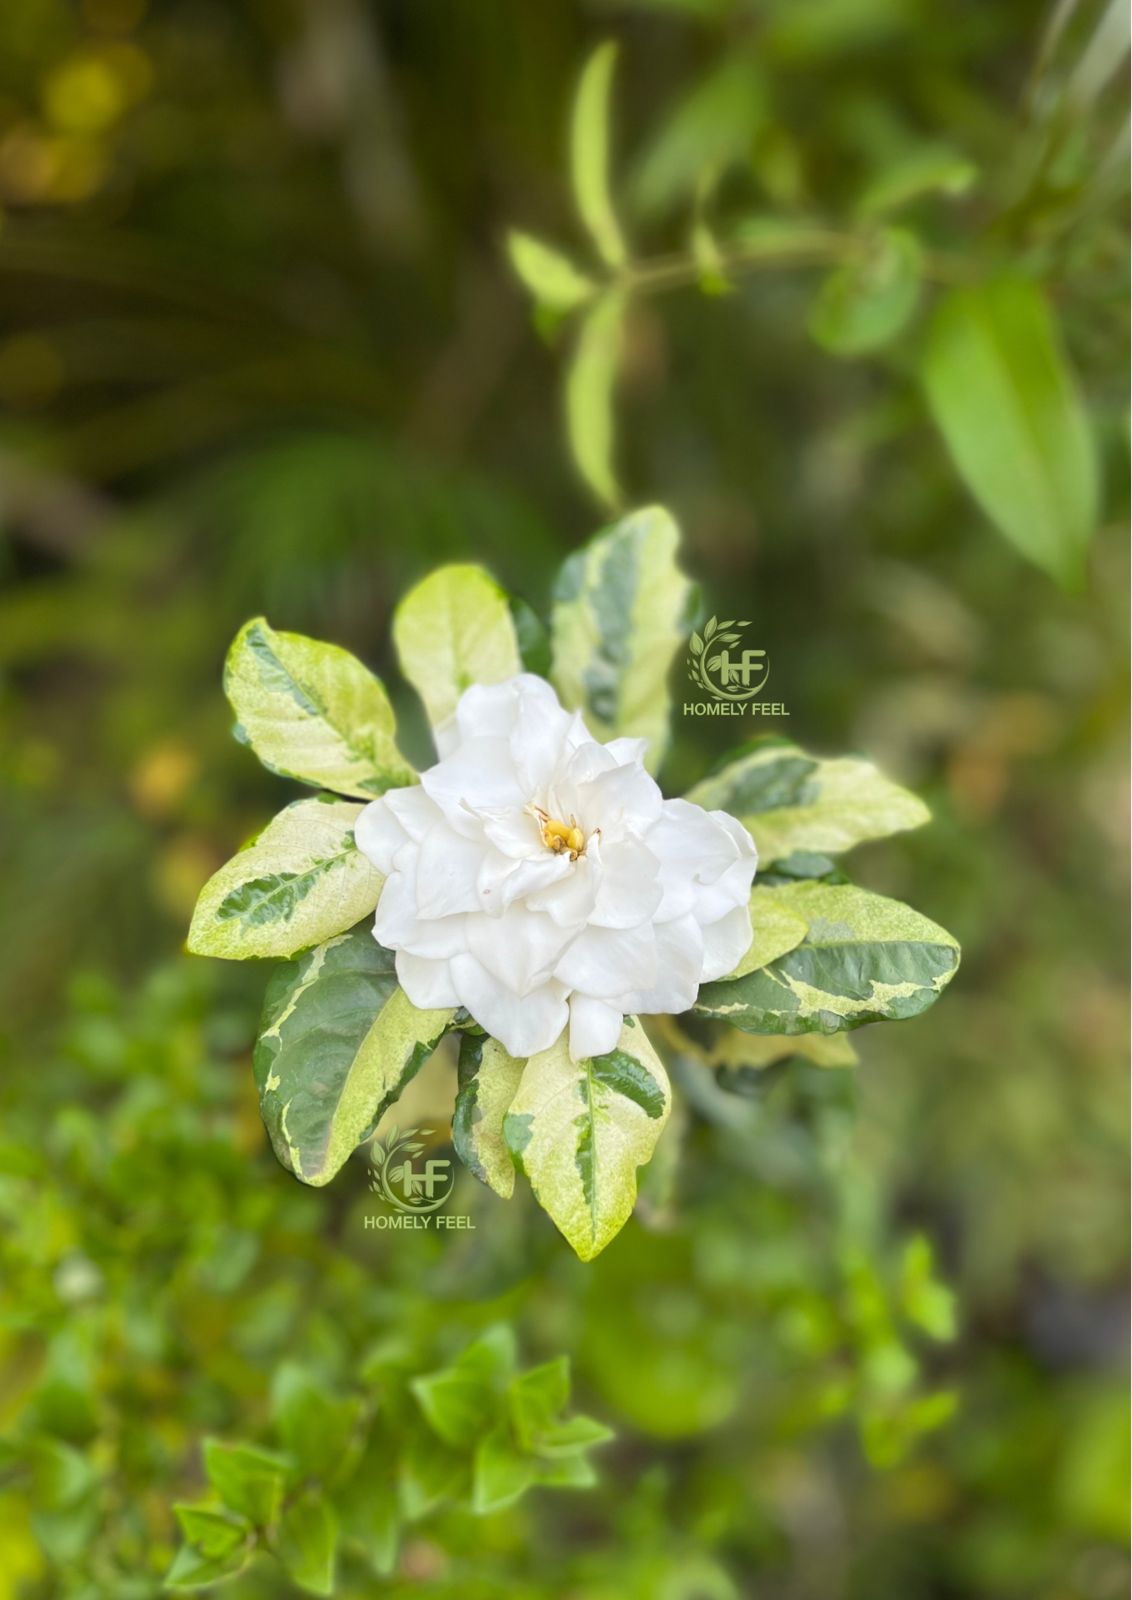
821,247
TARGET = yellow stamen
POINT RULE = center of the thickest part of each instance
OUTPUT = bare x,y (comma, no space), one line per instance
561,836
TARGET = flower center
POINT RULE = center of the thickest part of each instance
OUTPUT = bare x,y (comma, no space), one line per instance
561,837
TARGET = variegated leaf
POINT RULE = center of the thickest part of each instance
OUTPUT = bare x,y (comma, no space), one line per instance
791,801
312,711
580,1129
300,881
864,959
488,1079
776,927
621,609
338,1042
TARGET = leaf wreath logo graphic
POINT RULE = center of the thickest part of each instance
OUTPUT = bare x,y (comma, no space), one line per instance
399,1179
720,663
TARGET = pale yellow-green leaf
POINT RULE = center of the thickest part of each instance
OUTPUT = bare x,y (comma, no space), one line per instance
775,927
300,881
488,1079
312,711
589,154
789,800
452,630
734,1049
580,1129
619,617
590,380
726,1048
552,278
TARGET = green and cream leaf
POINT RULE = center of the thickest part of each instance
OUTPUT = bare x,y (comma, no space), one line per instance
488,1079
300,881
790,801
621,608
580,1129
776,927
864,959
455,628
313,712
339,1041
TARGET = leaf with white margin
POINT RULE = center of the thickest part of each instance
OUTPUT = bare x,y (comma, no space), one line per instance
789,800
621,610
338,1042
452,630
313,712
488,1079
298,882
580,1129
864,959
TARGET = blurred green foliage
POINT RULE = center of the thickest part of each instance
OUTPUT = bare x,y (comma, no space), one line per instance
262,350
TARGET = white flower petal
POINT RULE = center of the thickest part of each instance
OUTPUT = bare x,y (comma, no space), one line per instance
482,913
447,869
538,735
520,949
680,954
726,942
525,1024
570,901
515,831
480,773
628,752
618,800
699,850
606,962
630,890
526,878
595,1027
397,926
379,835
428,984
413,809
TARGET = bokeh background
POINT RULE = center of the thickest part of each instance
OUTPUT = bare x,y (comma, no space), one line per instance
261,350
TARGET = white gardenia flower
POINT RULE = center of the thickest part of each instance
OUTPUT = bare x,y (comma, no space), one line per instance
539,878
